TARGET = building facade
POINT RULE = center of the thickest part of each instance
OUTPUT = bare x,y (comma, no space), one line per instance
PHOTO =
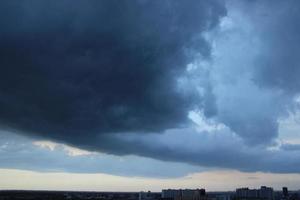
264,193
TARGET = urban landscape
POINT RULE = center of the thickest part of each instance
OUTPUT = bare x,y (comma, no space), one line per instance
263,193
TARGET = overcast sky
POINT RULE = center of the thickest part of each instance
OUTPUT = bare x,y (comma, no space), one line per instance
139,94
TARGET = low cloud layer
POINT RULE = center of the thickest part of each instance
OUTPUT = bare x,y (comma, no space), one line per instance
18,152
124,77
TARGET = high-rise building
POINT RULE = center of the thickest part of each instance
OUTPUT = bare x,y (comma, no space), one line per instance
148,195
285,192
265,193
186,194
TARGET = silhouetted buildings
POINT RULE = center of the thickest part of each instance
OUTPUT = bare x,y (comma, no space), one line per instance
149,195
286,195
285,192
186,194
264,193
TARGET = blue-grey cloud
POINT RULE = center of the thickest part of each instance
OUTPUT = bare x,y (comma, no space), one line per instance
17,152
290,147
253,75
70,70
108,76
209,150
279,28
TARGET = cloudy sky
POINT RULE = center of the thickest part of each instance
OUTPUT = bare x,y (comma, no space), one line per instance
143,95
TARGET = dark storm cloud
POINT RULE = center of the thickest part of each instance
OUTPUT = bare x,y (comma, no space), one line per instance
74,69
220,149
277,24
290,147
99,74
281,68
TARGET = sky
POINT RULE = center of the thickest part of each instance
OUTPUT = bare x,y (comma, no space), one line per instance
143,95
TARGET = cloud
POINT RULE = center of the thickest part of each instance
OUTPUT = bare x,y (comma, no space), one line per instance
71,151
252,68
290,147
114,77
180,153
18,152
278,65
73,71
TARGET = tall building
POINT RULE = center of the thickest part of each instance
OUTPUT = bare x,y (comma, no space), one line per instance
148,195
200,194
186,194
264,193
285,192
170,193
